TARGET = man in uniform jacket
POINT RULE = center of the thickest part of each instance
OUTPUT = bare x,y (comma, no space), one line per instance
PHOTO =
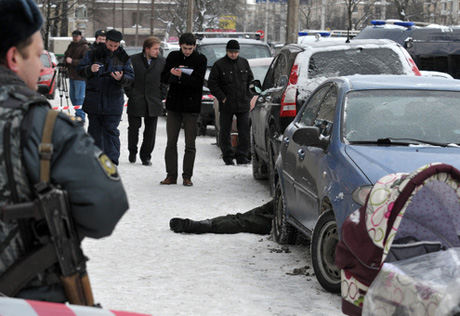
72,56
184,73
145,99
107,70
229,83
96,195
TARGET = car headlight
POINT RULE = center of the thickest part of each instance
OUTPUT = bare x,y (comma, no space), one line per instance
46,77
359,195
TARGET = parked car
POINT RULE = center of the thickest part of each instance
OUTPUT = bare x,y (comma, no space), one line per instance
166,48
376,125
131,50
296,71
433,47
259,67
48,73
213,49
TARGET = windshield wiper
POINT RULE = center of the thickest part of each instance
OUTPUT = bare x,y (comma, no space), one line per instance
402,142
408,141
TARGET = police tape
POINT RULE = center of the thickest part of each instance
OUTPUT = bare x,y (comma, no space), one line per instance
75,107
15,306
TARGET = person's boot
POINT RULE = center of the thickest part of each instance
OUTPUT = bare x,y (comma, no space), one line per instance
186,225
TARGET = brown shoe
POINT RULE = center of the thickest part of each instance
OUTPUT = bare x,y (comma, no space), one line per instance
188,182
168,180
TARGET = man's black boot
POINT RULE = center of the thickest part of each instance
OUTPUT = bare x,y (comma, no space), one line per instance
185,225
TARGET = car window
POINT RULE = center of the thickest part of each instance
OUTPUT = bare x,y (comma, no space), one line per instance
311,109
325,117
402,114
215,51
365,61
259,72
45,61
278,70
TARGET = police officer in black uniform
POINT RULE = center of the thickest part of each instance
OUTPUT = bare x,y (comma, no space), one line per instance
96,195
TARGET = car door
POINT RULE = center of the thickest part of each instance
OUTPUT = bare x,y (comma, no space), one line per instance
305,160
269,100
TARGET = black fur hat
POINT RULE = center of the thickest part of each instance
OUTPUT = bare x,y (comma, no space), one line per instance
233,46
20,20
114,35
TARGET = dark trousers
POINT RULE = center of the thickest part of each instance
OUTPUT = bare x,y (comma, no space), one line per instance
104,130
242,124
174,122
148,140
256,221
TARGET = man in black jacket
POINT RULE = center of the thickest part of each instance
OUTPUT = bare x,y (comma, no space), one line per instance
229,83
184,72
145,99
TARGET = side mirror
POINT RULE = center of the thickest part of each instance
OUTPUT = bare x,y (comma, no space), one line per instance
255,87
409,42
310,136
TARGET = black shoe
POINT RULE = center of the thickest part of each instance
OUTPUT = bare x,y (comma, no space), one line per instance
146,162
243,161
132,158
185,225
229,161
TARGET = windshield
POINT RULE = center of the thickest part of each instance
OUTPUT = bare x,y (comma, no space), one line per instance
45,61
259,72
367,61
215,51
402,116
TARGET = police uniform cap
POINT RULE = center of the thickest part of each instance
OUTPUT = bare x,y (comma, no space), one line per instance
233,46
22,16
114,35
100,33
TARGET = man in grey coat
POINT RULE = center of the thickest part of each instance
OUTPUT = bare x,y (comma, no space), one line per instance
145,99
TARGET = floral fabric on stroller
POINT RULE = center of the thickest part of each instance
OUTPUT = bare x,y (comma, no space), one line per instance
405,215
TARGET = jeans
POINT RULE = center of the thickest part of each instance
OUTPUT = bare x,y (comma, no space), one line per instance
77,95
148,141
174,122
104,130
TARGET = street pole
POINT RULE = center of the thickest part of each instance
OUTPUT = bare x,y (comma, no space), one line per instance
123,17
136,41
152,17
190,16
266,21
292,30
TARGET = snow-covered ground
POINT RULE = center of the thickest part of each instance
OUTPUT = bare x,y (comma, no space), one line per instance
144,267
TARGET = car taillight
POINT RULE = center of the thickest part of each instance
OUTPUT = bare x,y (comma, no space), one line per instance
411,63
207,97
289,99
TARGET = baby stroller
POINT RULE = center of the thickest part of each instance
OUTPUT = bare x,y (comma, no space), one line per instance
405,215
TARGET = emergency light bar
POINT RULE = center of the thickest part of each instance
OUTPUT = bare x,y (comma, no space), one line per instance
394,22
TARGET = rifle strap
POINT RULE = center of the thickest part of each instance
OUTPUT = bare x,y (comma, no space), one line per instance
23,271
45,149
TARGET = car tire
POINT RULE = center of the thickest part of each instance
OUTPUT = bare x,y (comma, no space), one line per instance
324,241
259,168
282,231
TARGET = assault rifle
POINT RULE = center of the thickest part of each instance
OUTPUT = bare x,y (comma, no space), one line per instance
51,207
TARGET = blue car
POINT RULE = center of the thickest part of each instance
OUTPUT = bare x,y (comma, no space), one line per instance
351,132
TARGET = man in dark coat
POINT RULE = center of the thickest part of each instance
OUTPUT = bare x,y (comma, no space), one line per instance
184,73
145,99
229,83
72,56
107,70
97,199
100,37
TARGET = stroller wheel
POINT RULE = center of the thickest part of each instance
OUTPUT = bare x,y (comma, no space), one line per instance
324,241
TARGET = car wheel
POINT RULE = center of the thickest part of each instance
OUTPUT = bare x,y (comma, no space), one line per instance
324,241
282,231
259,168
271,170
